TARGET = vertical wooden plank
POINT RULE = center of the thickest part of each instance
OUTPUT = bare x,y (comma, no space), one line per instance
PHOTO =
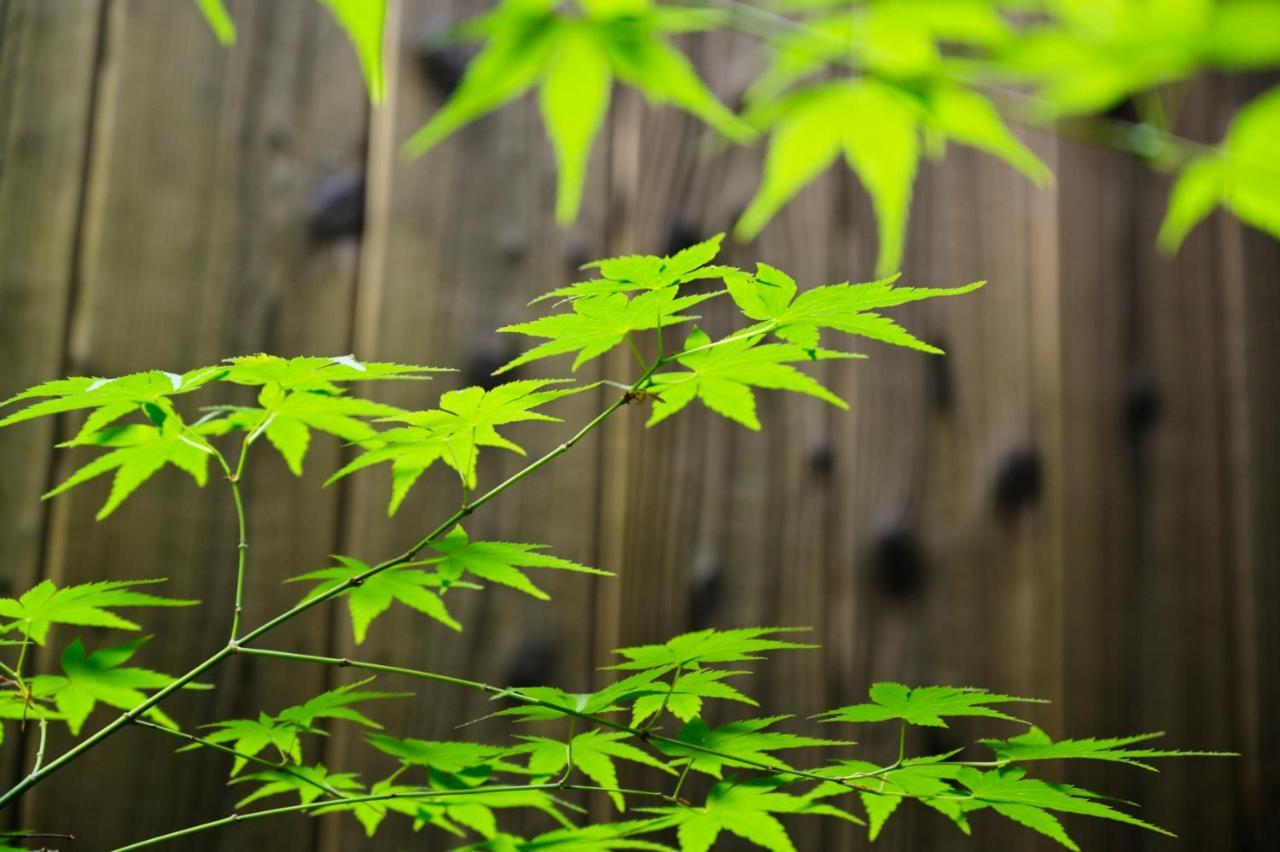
196,246
47,64
458,242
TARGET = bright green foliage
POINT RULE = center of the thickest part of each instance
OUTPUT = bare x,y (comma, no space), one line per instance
703,647
309,782
1243,175
770,297
638,272
362,20
311,373
409,585
747,809
219,20
83,605
107,400
593,753
722,377
498,561
924,705
575,55
745,743
685,695
1035,744
596,324
466,420
284,730
603,837
876,125
541,703
101,676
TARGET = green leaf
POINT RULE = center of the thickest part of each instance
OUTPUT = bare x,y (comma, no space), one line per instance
597,324
498,561
747,810
319,374
283,730
216,15
574,101
746,743
109,399
374,595
925,705
139,453
684,696
575,59
466,420
708,646
451,758
84,605
364,22
538,703
722,376
1035,744
767,297
101,676
631,273
970,118
593,753
1241,175
600,837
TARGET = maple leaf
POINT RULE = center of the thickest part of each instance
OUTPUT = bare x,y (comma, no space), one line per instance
312,373
723,375
596,324
374,595
101,677
701,647
309,782
466,420
574,57
84,605
109,399
1035,744
601,837
498,561
631,273
593,753
925,705
769,296
744,743
684,696
745,809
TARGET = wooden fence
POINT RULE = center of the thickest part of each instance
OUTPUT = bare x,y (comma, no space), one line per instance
1080,502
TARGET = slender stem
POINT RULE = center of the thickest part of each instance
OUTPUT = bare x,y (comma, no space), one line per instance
662,708
754,331
44,729
684,773
242,543
635,350
902,741
252,758
361,800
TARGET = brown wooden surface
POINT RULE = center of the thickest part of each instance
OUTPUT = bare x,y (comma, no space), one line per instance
1079,502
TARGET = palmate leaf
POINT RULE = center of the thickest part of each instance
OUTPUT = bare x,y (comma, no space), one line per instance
409,585
1035,744
466,420
314,373
468,762
1032,803
283,730
708,646
746,743
746,809
84,605
928,706
632,273
540,703
88,679
769,297
108,400
1242,175
928,780
684,696
593,753
595,325
137,453
575,55
876,126
498,561
722,377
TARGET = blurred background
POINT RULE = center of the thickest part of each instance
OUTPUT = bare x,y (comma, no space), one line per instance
1080,501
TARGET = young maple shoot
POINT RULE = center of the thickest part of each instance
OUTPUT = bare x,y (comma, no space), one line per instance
662,714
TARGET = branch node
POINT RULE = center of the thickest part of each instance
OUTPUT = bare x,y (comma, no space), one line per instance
344,662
